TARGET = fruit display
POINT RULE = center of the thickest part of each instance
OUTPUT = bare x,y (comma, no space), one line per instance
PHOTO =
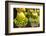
21,20
34,17
27,16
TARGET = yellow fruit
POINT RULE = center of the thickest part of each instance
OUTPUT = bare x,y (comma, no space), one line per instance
21,20
34,14
21,15
20,9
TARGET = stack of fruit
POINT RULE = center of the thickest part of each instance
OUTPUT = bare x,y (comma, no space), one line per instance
34,17
27,15
21,20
